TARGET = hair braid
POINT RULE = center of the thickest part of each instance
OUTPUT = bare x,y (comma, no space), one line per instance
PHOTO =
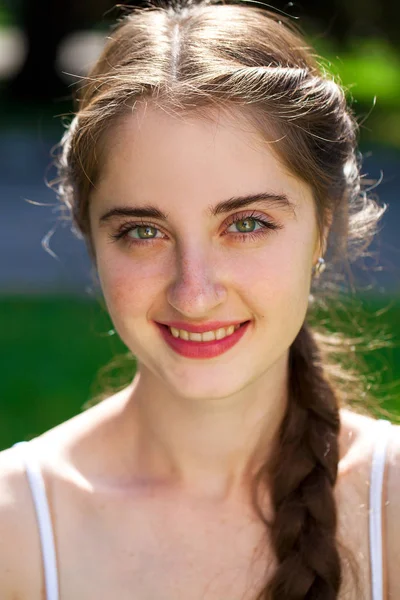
303,475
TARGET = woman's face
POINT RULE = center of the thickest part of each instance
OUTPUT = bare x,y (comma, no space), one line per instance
199,260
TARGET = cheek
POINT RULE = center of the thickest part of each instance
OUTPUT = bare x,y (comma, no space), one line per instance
278,278
130,286
287,262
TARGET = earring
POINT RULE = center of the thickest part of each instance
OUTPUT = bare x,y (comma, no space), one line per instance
319,268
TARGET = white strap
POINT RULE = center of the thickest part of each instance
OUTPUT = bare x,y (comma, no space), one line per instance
38,490
375,505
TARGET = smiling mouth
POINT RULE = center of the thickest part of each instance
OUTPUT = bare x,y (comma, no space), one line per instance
203,348
207,336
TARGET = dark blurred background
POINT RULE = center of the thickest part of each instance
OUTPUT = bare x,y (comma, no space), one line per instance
55,335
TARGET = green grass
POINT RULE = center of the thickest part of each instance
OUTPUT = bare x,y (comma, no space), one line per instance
53,348
50,354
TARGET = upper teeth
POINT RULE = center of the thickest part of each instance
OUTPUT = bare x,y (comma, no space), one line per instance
207,336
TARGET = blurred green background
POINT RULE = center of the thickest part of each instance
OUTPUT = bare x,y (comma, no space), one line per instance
57,339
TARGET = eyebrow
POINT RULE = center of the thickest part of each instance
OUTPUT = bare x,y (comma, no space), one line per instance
269,199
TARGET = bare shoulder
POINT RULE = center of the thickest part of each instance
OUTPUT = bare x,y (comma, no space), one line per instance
356,469
21,566
357,440
392,513
20,561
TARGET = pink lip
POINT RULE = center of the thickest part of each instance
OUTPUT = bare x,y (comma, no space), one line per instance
211,326
199,350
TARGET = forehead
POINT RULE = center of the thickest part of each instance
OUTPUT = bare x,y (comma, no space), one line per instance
156,153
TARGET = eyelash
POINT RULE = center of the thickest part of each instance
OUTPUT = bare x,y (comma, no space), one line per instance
259,218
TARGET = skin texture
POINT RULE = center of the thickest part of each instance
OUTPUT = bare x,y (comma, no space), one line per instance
200,269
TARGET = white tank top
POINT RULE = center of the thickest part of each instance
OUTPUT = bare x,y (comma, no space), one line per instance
42,509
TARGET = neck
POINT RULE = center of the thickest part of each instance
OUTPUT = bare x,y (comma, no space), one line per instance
210,447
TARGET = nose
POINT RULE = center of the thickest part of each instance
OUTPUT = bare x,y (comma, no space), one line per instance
196,290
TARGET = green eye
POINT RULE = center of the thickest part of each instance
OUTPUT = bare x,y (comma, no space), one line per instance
145,232
246,225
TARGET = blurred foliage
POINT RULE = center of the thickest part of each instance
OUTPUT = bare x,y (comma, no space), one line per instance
369,70
54,350
7,17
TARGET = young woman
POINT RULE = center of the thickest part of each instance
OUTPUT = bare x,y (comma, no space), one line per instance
211,167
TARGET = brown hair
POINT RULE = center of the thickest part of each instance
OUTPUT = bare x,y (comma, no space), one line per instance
193,57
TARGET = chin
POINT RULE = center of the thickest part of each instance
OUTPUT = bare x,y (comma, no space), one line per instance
203,386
